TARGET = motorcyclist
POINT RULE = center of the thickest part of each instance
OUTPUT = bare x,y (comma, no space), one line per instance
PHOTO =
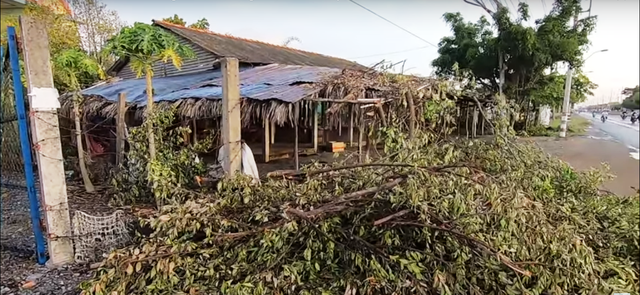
634,117
605,115
624,114
593,113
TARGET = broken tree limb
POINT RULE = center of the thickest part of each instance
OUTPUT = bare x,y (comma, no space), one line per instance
480,244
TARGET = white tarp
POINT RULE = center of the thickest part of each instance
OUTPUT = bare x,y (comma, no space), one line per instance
249,166
545,115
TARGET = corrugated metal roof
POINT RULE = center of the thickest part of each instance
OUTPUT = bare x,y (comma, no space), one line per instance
281,82
253,51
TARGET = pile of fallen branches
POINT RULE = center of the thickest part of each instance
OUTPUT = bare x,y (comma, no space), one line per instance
473,218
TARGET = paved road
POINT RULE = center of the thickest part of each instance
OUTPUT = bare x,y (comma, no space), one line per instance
621,131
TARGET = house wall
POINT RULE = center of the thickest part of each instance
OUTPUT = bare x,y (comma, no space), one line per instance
203,60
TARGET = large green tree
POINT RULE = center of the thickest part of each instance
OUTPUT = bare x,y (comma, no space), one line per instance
502,49
632,100
61,30
96,24
144,45
549,90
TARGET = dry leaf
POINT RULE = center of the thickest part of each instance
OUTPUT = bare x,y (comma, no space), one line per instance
28,285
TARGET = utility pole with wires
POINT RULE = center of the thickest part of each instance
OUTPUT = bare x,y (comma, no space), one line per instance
566,102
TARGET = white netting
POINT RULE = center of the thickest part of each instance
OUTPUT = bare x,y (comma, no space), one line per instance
98,235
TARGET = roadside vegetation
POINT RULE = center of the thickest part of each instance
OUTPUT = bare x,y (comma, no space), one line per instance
432,215
577,125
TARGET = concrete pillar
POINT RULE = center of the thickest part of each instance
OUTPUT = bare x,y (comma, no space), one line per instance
231,119
43,102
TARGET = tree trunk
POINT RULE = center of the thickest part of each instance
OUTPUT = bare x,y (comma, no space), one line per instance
152,142
88,186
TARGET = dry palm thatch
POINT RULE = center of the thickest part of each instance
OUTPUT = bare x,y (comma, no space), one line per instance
349,85
253,111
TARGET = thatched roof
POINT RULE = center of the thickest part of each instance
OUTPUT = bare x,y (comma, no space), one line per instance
269,92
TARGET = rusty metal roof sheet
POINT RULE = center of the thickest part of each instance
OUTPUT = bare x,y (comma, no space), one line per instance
280,82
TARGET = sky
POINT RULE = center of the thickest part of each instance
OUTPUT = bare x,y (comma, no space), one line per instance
343,29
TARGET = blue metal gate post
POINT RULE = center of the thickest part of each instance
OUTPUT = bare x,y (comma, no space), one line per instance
1,119
25,143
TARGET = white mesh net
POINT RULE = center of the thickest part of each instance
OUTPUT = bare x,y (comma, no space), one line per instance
98,235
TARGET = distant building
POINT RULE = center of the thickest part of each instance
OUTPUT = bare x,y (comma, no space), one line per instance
58,6
12,6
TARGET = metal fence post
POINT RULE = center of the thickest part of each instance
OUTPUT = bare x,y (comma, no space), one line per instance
25,143
1,120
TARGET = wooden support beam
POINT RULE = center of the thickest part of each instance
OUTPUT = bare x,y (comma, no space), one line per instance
295,147
466,121
120,128
194,123
474,126
482,123
360,135
315,127
231,120
266,145
351,118
357,101
273,132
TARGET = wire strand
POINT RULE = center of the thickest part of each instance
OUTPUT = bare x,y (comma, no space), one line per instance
392,23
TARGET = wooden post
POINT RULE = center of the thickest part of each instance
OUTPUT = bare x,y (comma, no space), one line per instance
360,159
43,102
482,123
295,145
231,121
194,124
273,132
267,140
466,121
339,126
120,127
474,127
315,127
351,118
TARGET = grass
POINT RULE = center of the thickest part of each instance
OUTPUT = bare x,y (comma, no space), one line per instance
577,126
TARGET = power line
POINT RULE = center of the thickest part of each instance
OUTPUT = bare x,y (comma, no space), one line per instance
388,53
394,24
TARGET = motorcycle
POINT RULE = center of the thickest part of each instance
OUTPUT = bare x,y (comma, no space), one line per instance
634,119
603,118
623,116
593,114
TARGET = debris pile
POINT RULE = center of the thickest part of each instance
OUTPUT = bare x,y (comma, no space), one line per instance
461,218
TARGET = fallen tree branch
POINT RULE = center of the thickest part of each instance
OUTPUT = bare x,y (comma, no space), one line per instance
481,244
392,216
298,173
336,206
